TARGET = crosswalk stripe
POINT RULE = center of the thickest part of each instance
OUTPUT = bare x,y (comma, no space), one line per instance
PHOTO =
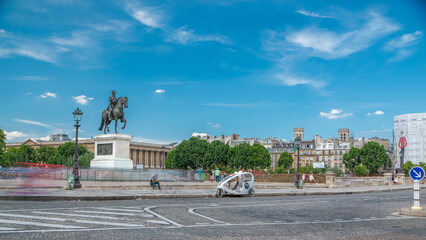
108,223
123,210
77,215
112,213
37,224
32,217
7,229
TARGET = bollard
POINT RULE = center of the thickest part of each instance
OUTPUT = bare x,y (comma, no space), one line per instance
416,188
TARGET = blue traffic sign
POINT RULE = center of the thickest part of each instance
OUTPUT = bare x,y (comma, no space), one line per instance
417,173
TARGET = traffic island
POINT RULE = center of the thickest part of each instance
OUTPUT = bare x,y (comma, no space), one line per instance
414,213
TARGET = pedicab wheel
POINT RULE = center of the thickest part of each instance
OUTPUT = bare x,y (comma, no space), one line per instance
251,192
219,193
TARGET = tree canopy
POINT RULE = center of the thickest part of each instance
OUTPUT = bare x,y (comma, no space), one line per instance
285,160
372,155
195,153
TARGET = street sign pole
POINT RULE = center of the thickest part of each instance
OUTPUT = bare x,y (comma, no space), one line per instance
417,174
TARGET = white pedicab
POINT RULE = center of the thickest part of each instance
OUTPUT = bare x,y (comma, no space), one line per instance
239,184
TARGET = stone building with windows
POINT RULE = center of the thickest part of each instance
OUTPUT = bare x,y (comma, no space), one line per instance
150,155
276,150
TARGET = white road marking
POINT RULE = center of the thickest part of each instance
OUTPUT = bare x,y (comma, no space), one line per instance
37,224
191,210
148,209
112,213
7,229
123,210
158,222
32,217
108,223
77,215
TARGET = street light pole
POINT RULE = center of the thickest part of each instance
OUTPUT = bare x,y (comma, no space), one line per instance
298,177
163,153
77,117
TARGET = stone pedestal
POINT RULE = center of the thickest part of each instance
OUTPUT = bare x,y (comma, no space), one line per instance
112,151
388,178
401,178
330,179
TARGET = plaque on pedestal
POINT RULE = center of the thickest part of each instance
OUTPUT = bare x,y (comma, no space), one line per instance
112,151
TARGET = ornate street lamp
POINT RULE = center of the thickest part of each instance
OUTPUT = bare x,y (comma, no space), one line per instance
77,117
163,152
298,177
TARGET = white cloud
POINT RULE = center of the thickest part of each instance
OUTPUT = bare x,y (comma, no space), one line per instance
311,14
48,94
77,39
148,16
378,112
148,140
31,78
160,91
404,41
291,81
47,138
323,43
215,125
203,135
32,123
402,46
335,114
185,36
82,99
14,134
28,93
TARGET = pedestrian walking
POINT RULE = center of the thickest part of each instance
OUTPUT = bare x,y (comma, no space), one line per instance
311,178
217,174
211,175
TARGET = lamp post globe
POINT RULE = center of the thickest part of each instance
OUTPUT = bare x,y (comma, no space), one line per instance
77,118
298,177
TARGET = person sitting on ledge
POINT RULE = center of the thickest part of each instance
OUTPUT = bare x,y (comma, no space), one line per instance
155,181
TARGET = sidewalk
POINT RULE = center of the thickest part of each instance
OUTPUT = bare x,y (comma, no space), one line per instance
43,190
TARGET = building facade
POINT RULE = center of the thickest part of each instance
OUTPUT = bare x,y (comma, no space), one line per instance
150,155
413,128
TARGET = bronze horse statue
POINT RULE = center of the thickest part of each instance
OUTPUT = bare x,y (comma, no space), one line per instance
117,113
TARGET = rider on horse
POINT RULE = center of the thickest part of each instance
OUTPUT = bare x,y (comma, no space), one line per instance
112,103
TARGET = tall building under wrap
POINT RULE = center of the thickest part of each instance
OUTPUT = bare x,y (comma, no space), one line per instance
413,127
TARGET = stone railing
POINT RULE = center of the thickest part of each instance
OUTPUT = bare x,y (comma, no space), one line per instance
286,178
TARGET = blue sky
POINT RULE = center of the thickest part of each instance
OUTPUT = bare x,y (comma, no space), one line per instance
255,68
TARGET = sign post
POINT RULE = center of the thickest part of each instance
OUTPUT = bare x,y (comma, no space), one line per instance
417,174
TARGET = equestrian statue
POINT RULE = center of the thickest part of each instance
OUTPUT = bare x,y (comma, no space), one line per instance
115,112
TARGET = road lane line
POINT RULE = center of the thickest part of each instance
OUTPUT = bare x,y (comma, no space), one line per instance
32,217
123,210
148,209
111,213
191,210
158,222
38,224
108,223
7,229
77,215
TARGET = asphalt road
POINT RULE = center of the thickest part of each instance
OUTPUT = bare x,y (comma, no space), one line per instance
360,216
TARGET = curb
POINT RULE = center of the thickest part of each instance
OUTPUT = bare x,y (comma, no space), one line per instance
409,212
170,196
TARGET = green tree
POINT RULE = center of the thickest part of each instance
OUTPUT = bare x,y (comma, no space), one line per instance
2,142
239,155
373,156
337,171
66,151
85,159
361,170
406,167
352,159
170,161
285,160
28,154
47,154
190,154
259,157
217,154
